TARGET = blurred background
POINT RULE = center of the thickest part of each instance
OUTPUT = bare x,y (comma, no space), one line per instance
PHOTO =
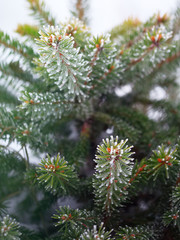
104,14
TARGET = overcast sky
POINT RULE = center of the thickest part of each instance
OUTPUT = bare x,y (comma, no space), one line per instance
104,14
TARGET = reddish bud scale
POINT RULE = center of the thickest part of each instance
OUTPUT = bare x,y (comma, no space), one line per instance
50,39
97,45
159,19
108,176
132,235
132,179
62,171
167,158
115,181
162,19
63,218
85,129
16,117
159,37
152,38
59,38
51,166
31,101
116,150
175,217
25,132
111,68
108,149
121,52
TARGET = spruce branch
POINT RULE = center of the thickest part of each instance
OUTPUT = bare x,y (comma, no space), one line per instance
113,171
57,175
96,233
176,197
80,9
63,62
15,70
74,219
105,70
138,232
9,229
7,97
78,30
150,42
42,105
28,30
40,12
16,47
161,163
120,126
14,79
172,215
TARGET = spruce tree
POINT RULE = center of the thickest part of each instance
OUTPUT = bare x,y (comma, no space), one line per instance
109,160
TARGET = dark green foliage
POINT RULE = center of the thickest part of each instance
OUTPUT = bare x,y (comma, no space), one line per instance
72,221
62,90
56,175
9,229
139,232
96,234
16,47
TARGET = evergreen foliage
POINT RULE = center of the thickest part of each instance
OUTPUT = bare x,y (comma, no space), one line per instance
62,98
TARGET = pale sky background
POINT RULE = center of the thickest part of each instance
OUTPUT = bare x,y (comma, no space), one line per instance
104,14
